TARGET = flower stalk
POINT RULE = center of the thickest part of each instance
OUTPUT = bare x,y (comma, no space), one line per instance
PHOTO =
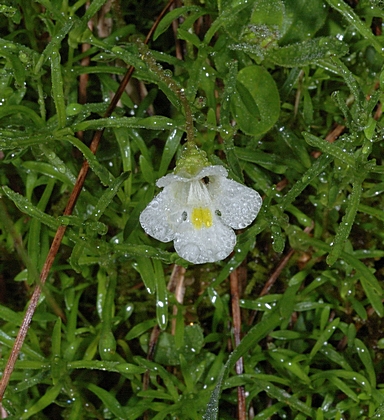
165,77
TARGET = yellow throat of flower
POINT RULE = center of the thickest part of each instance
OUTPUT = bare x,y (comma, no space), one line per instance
201,217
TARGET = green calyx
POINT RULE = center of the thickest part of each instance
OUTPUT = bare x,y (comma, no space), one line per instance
192,160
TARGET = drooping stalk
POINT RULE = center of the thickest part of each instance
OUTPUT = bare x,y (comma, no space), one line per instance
148,58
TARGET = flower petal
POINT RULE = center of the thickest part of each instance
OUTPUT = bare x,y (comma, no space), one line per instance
204,245
213,170
168,179
237,204
155,218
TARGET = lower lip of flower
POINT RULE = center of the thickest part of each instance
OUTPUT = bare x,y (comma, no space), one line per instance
201,217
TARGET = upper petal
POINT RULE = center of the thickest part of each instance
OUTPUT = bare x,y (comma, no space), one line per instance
170,179
237,204
213,170
204,245
156,220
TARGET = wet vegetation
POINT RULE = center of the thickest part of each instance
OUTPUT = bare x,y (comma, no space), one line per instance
287,95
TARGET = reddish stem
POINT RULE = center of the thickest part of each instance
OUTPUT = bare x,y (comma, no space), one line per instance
236,317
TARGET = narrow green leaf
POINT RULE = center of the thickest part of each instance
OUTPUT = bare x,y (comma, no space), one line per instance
109,401
147,251
147,170
145,267
18,69
170,381
56,339
49,170
345,226
77,410
189,37
105,176
187,373
268,413
212,410
343,387
8,315
25,111
170,147
11,139
155,394
157,122
107,342
161,295
108,196
373,211
310,175
371,286
335,356
132,225
109,366
73,314
140,329
330,149
54,43
77,34
352,83
26,207
307,52
57,163
228,16
173,15
58,87
365,357
352,376
268,161
48,398
352,18
289,399
379,413
359,308
324,337
296,144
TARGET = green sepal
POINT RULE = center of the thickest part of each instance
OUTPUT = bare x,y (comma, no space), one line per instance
191,161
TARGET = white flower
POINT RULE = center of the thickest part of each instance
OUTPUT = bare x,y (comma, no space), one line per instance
199,213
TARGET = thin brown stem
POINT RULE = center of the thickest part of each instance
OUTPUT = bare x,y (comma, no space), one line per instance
176,286
178,46
61,230
275,275
236,317
84,77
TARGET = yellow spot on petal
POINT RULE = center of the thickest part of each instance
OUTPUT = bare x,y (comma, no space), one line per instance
201,217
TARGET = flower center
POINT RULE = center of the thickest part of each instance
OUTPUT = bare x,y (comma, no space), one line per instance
201,217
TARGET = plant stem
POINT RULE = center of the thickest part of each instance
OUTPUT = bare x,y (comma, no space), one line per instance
236,319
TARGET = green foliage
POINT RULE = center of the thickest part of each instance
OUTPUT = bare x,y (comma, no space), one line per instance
267,81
